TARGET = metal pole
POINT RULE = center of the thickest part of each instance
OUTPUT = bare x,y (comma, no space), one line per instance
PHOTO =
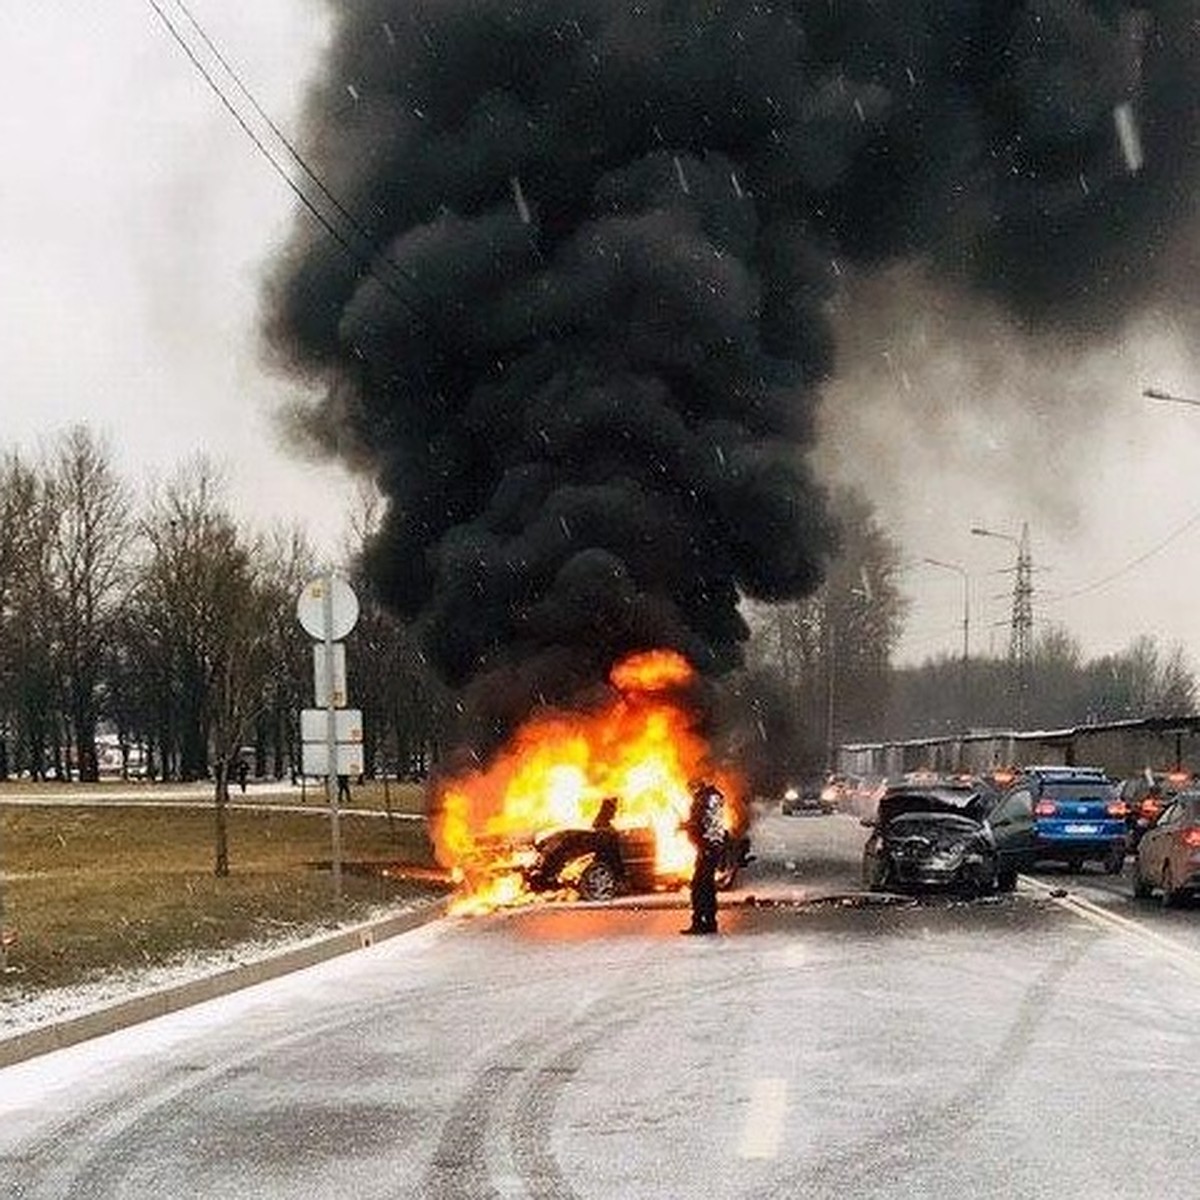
966,628
966,649
830,702
331,796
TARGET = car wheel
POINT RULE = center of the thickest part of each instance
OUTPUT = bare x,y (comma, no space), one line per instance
1170,897
597,881
1141,889
1115,862
991,884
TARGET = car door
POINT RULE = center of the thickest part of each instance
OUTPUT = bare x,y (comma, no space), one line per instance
1012,827
1156,843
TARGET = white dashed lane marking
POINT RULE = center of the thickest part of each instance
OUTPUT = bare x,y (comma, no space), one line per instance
763,1128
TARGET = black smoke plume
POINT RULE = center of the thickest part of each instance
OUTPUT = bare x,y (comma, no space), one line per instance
577,330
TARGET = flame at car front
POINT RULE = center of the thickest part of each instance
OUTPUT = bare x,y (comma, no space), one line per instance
641,746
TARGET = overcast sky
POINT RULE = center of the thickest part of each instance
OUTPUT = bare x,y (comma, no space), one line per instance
135,217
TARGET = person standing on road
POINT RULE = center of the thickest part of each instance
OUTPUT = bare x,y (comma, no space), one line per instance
343,789
705,827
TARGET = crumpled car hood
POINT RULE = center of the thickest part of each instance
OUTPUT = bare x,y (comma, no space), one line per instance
931,831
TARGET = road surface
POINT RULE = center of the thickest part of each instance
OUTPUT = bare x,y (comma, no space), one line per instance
1025,1046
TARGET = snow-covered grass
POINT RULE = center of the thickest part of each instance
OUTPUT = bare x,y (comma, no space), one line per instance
28,1009
106,902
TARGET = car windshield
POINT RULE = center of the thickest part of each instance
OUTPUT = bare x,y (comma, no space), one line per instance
1080,791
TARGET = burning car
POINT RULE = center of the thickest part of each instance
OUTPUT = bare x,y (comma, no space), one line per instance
601,862
541,815
930,838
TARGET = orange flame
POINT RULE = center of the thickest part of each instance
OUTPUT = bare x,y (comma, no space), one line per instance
641,747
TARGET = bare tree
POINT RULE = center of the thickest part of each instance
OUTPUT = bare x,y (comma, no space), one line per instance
288,563
89,537
406,708
833,648
208,615
26,677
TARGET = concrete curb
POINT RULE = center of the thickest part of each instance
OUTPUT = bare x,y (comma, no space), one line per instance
56,1036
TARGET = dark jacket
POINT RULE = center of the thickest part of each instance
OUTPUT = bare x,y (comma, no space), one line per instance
705,825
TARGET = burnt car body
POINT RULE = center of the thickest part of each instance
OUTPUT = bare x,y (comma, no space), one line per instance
600,864
930,838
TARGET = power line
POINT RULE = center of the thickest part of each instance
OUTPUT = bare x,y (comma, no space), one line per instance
321,219
359,228
1132,564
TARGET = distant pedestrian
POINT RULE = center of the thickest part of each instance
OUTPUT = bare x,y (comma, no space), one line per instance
243,772
705,827
343,791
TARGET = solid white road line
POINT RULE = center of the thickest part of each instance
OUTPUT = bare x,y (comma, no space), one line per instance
1183,957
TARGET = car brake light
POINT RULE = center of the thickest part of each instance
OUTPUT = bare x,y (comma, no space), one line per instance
1191,837
1045,808
1118,809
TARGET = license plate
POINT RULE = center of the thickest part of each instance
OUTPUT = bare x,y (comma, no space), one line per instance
1082,829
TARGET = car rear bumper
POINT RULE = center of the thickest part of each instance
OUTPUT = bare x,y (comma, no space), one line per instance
1066,847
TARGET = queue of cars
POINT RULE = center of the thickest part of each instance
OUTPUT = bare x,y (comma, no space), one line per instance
975,834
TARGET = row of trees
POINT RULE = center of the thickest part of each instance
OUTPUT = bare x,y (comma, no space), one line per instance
831,652
830,656
1060,688
168,624
161,620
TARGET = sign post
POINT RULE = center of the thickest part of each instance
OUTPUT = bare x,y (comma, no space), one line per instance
328,610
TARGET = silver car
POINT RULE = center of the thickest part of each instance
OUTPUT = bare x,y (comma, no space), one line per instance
1168,854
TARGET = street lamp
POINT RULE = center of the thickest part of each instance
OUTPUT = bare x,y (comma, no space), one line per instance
979,531
832,696
1159,394
966,625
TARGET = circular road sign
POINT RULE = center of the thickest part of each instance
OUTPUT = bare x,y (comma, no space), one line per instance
342,610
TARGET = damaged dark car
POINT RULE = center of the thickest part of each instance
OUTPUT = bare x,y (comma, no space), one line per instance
930,839
602,862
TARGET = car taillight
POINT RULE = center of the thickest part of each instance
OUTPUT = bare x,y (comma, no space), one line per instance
1191,837
1150,807
1045,808
1118,809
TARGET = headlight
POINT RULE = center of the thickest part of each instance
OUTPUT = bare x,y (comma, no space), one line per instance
791,794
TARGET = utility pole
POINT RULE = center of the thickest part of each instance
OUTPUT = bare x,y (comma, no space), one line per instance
1020,641
1020,647
830,688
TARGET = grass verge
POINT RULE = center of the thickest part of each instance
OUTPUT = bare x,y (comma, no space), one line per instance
88,890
